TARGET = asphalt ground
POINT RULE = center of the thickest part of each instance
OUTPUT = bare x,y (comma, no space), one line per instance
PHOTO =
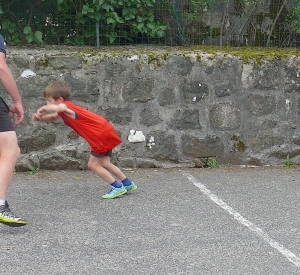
231,221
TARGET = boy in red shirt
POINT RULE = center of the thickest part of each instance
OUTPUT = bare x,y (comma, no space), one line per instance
95,129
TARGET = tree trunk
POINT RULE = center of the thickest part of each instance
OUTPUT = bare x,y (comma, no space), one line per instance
274,23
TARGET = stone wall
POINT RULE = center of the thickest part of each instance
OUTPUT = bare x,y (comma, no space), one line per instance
170,108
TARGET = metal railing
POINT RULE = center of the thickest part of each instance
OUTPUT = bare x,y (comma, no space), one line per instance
186,23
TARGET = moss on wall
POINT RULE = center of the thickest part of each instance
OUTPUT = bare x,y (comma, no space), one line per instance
155,54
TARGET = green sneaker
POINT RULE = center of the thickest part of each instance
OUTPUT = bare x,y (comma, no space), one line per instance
130,187
8,218
114,193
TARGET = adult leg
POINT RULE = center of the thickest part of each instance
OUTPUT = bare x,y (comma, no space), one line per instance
9,154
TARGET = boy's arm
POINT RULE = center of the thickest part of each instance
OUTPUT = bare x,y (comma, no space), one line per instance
60,108
41,116
45,118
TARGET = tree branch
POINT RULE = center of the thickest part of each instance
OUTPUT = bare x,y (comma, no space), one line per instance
274,22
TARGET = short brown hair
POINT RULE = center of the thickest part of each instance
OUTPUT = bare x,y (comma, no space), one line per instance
58,89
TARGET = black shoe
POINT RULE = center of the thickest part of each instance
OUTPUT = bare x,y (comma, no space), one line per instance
8,218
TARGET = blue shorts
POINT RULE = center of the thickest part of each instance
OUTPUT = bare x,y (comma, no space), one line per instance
6,124
109,153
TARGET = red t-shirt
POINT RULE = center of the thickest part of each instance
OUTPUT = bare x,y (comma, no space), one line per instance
95,129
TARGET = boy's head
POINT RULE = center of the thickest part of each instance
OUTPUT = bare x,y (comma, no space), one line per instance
56,90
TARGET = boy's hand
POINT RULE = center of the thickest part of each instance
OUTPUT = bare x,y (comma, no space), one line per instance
35,117
40,112
38,115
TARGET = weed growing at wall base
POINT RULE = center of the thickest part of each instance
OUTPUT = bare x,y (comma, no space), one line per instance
33,171
287,162
212,163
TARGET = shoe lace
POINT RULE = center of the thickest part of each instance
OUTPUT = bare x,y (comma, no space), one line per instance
111,190
6,212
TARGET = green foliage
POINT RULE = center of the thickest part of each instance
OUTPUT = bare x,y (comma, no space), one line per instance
33,171
197,8
240,5
205,5
11,33
33,37
119,20
287,162
293,19
18,22
212,163
74,21
122,19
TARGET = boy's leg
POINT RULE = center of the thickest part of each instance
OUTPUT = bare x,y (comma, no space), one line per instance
116,171
96,166
99,166
113,169
9,153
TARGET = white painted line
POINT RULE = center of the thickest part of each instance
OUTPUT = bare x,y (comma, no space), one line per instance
285,252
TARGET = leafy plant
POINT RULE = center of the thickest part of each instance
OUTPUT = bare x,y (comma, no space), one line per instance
74,21
212,163
119,20
293,19
85,22
19,22
33,171
31,36
287,162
